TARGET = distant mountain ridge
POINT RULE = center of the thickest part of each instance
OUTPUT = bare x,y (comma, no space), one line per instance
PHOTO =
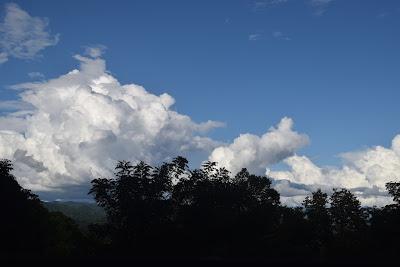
83,213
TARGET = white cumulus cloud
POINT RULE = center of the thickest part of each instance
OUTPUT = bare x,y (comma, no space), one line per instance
78,125
23,36
257,152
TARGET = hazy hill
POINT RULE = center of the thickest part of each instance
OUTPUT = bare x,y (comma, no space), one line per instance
82,213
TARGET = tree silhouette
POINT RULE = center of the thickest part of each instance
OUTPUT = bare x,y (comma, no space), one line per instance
346,211
200,207
317,213
23,222
27,229
384,226
348,223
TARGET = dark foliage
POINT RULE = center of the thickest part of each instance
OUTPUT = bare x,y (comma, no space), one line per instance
27,229
172,212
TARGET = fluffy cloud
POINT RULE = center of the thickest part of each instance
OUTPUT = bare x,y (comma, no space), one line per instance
66,131
257,152
23,36
69,130
364,172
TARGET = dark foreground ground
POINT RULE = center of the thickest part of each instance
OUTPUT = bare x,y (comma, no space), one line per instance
190,262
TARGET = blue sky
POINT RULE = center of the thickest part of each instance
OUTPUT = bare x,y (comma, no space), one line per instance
331,66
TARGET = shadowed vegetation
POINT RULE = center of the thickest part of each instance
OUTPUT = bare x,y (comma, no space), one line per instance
173,212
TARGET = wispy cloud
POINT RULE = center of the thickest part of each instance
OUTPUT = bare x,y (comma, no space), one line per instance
23,36
14,105
260,5
254,37
320,6
3,57
382,15
280,36
36,75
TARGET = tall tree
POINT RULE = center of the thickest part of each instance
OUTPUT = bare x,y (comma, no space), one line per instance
349,224
346,211
317,213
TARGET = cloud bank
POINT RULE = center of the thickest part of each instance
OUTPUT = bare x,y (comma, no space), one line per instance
23,36
66,131
364,172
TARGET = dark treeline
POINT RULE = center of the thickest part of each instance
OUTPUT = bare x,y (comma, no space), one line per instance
172,212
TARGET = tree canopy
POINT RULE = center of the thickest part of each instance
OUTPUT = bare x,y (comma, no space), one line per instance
172,211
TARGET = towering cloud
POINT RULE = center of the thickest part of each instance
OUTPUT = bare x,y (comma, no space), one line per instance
70,129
